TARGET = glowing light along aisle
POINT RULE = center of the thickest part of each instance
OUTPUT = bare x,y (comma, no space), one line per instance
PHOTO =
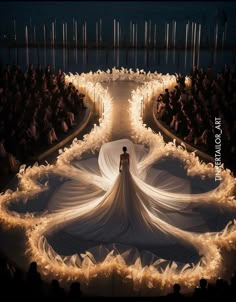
84,266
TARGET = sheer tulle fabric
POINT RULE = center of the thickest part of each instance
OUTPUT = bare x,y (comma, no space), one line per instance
135,207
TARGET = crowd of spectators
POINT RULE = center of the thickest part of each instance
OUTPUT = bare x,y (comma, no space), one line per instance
36,107
190,112
29,284
15,282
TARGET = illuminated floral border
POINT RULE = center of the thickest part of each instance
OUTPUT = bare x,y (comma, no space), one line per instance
85,267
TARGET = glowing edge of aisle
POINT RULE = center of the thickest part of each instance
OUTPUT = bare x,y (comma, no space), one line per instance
86,268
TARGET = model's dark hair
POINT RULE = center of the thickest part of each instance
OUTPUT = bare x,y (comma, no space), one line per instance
124,149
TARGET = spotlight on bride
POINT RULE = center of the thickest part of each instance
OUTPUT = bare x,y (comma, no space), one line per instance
130,218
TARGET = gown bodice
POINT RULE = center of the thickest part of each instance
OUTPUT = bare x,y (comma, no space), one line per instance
124,163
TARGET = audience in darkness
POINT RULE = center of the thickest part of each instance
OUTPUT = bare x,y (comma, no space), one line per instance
36,108
190,112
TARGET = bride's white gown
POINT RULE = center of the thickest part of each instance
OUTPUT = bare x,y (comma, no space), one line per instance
140,207
150,211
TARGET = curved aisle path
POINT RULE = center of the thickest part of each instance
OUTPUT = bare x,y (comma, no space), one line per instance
13,241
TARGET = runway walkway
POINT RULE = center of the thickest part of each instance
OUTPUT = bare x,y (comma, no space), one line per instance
121,92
